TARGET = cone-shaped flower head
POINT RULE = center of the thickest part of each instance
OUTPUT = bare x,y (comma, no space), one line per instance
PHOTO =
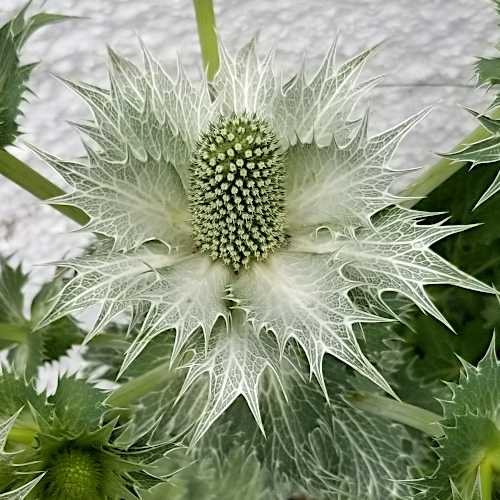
79,467
243,216
91,466
74,473
73,456
469,451
236,193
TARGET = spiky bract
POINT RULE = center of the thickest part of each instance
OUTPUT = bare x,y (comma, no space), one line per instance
72,454
469,452
142,190
88,465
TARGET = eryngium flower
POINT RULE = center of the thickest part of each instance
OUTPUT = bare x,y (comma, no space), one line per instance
68,452
243,214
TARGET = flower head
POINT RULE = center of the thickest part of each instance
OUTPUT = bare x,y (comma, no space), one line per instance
237,199
73,455
74,473
469,449
243,216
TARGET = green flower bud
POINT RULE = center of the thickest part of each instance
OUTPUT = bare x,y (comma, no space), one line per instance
70,453
73,474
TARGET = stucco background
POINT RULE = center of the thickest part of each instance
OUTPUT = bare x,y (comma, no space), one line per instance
428,56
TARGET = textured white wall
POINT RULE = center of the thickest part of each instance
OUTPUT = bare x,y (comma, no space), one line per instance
428,56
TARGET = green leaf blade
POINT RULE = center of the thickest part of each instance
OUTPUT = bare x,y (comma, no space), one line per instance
78,404
14,75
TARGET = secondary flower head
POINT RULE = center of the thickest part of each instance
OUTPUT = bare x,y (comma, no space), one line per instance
72,454
242,216
82,466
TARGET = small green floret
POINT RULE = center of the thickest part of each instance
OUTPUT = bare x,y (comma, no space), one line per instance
74,474
236,196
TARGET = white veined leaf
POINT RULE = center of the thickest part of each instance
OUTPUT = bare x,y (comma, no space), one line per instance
246,84
326,449
493,189
133,202
181,110
344,185
395,255
482,152
235,362
111,280
21,492
186,297
5,428
320,109
305,297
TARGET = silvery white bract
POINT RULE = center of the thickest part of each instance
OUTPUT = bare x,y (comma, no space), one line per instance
239,215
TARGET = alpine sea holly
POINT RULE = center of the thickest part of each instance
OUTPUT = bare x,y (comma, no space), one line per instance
242,214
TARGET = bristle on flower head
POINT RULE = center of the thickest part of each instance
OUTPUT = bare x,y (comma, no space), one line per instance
236,195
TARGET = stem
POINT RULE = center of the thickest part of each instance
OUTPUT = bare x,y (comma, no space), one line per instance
37,185
484,266
404,413
489,468
22,435
444,168
11,332
494,459
139,386
205,18
486,477
108,340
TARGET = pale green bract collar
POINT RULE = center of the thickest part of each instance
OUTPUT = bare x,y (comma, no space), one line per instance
342,228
